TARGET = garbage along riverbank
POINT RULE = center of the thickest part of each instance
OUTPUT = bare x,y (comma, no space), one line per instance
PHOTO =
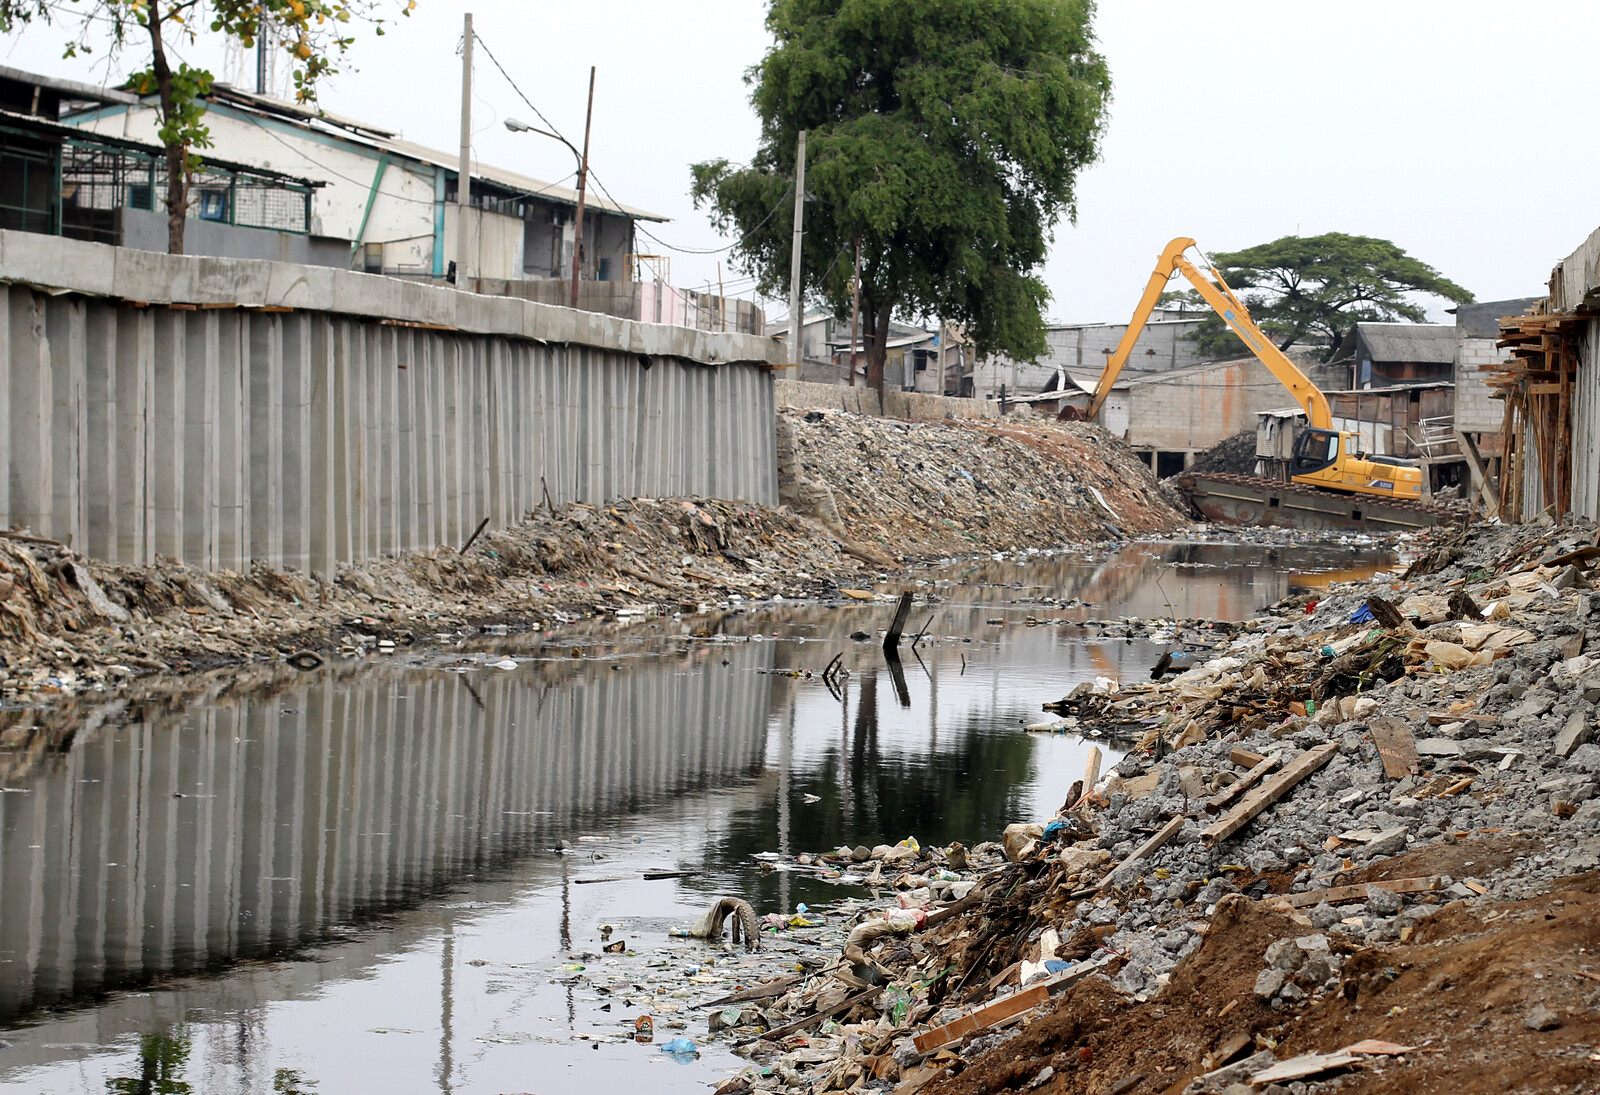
900,493
1356,850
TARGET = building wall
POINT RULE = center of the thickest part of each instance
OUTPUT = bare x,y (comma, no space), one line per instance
402,216
493,242
1586,428
147,231
912,406
1085,349
1192,410
360,415
1475,411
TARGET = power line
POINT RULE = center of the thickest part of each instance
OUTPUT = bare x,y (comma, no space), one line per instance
607,192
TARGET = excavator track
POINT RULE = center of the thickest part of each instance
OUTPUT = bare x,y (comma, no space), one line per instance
1247,500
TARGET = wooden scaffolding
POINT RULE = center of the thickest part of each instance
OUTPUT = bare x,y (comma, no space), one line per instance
1536,385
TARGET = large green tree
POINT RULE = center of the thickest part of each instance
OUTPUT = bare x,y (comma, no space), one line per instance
946,136
313,32
1314,287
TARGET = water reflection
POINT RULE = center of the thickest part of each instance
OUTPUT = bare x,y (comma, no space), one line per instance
186,843
165,842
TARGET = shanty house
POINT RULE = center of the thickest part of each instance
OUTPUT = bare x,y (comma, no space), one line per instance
1376,355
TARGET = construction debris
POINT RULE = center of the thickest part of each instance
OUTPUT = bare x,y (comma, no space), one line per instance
899,492
1141,942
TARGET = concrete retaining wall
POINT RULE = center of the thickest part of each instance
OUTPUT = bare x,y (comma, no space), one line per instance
246,411
911,406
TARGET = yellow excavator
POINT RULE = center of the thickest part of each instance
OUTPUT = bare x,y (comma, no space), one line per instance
1323,456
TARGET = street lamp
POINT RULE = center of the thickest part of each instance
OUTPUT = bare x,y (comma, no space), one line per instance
583,177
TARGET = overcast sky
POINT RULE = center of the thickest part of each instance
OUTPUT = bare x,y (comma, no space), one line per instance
1456,129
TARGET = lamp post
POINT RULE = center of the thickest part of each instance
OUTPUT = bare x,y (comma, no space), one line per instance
583,177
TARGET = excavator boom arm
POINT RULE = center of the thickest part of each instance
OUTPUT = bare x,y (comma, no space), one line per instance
1234,314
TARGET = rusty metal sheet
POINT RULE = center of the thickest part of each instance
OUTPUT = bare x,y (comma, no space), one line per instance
1242,500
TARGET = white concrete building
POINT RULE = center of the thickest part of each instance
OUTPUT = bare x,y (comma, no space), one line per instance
392,201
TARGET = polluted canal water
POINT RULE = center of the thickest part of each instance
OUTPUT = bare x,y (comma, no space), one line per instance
393,875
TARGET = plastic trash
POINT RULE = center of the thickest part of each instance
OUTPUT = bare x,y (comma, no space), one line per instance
1057,965
910,843
506,663
896,1004
681,1047
1362,615
644,1026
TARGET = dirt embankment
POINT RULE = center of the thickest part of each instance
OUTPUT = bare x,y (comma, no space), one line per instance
1357,851
899,493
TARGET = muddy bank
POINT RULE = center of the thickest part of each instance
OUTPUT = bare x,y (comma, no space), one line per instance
1357,850
897,493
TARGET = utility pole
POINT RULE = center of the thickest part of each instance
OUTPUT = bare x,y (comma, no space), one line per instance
583,179
722,300
797,319
855,310
464,165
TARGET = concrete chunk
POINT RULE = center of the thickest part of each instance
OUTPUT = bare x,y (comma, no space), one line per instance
1579,730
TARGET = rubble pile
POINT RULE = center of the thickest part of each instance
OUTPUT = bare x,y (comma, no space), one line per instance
1234,455
931,488
67,622
1356,850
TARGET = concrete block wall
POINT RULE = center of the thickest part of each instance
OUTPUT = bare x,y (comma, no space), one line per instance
228,412
911,406
1193,409
1475,411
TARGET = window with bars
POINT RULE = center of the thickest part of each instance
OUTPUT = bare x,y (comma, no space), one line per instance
28,190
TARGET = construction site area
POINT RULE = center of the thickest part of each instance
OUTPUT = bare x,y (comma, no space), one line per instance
462,631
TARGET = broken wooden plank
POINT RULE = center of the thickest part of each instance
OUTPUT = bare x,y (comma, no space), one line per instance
1440,718
1298,1068
1335,895
1244,758
766,990
1396,746
1269,792
1243,783
1375,1047
1015,1004
1002,1010
1166,833
811,1020
1091,773
901,613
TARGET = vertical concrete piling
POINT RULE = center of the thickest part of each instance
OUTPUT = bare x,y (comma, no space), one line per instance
231,412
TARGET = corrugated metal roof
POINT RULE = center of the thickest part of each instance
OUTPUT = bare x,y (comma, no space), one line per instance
374,137
1418,342
1482,320
70,88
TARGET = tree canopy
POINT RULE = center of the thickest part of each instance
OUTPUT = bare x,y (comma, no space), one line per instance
313,32
946,136
1302,287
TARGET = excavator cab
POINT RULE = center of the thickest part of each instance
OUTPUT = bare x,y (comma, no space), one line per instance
1315,450
1327,458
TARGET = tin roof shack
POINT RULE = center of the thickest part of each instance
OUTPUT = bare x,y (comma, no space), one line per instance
56,179
1377,355
1169,417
